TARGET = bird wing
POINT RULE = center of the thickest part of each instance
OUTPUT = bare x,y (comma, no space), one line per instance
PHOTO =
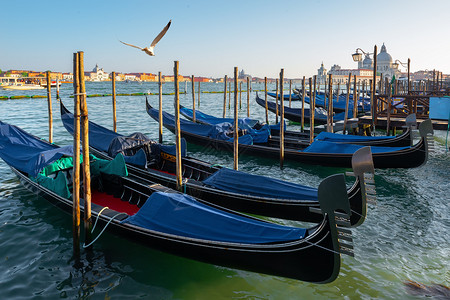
131,45
161,34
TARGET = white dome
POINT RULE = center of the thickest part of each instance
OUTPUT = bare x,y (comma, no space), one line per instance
367,62
383,56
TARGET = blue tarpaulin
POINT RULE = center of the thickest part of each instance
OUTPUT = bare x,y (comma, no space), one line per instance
113,143
26,152
182,215
221,131
338,148
262,186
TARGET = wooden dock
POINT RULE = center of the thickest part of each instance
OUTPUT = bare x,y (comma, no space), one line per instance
399,122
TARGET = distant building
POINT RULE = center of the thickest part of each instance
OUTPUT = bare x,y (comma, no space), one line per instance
244,76
98,74
321,74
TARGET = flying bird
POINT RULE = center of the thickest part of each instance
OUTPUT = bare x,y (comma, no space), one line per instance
149,50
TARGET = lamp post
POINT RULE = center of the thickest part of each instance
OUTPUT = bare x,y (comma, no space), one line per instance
357,56
405,65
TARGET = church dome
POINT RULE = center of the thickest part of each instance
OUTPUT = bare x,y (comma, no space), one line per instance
383,56
367,62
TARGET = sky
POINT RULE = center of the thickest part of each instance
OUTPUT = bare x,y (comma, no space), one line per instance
210,38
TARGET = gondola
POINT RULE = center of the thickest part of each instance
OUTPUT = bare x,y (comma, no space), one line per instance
403,140
339,103
319,152
294,97
229,188
295,114
178,224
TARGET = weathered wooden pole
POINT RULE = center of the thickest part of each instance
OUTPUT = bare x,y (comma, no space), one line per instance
409,79
236,117
76,159
50,113
303,104
347,101
85,150
355,98
324,96
373,104
312,97
199,91
389,106
57,89
193,103
248,97
265,95
281,119
240,95
229,95
113,80
330,103
290,92
276,104
225,97
193,90
176,103
160,121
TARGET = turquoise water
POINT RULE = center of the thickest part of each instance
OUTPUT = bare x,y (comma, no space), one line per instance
405,236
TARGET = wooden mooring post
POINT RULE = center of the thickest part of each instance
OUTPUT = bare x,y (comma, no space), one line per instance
290,93
113,80
281,119
50,113
193,89
347,101
225,97
85,149
303,104
330,104
373,99
193,103
57,89
240,95
178,170
265,97
76,160
312,97
248,97
229,95
276,103
160,116
236,116
199,91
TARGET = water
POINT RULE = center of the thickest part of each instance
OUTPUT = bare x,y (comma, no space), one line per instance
405,236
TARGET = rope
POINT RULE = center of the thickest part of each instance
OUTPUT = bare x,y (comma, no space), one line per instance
325,248
79,94
104,228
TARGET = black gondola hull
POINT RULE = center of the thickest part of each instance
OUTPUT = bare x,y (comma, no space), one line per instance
307,260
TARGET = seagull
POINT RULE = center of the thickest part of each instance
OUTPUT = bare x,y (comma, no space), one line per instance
149,50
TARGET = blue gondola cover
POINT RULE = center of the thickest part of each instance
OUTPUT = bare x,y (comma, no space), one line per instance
338,148
182,215
27,153
248,184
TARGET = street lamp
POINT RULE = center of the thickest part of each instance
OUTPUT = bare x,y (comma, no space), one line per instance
405,65
358,56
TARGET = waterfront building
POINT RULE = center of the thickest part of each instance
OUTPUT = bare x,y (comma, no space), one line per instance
321,74
97,74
